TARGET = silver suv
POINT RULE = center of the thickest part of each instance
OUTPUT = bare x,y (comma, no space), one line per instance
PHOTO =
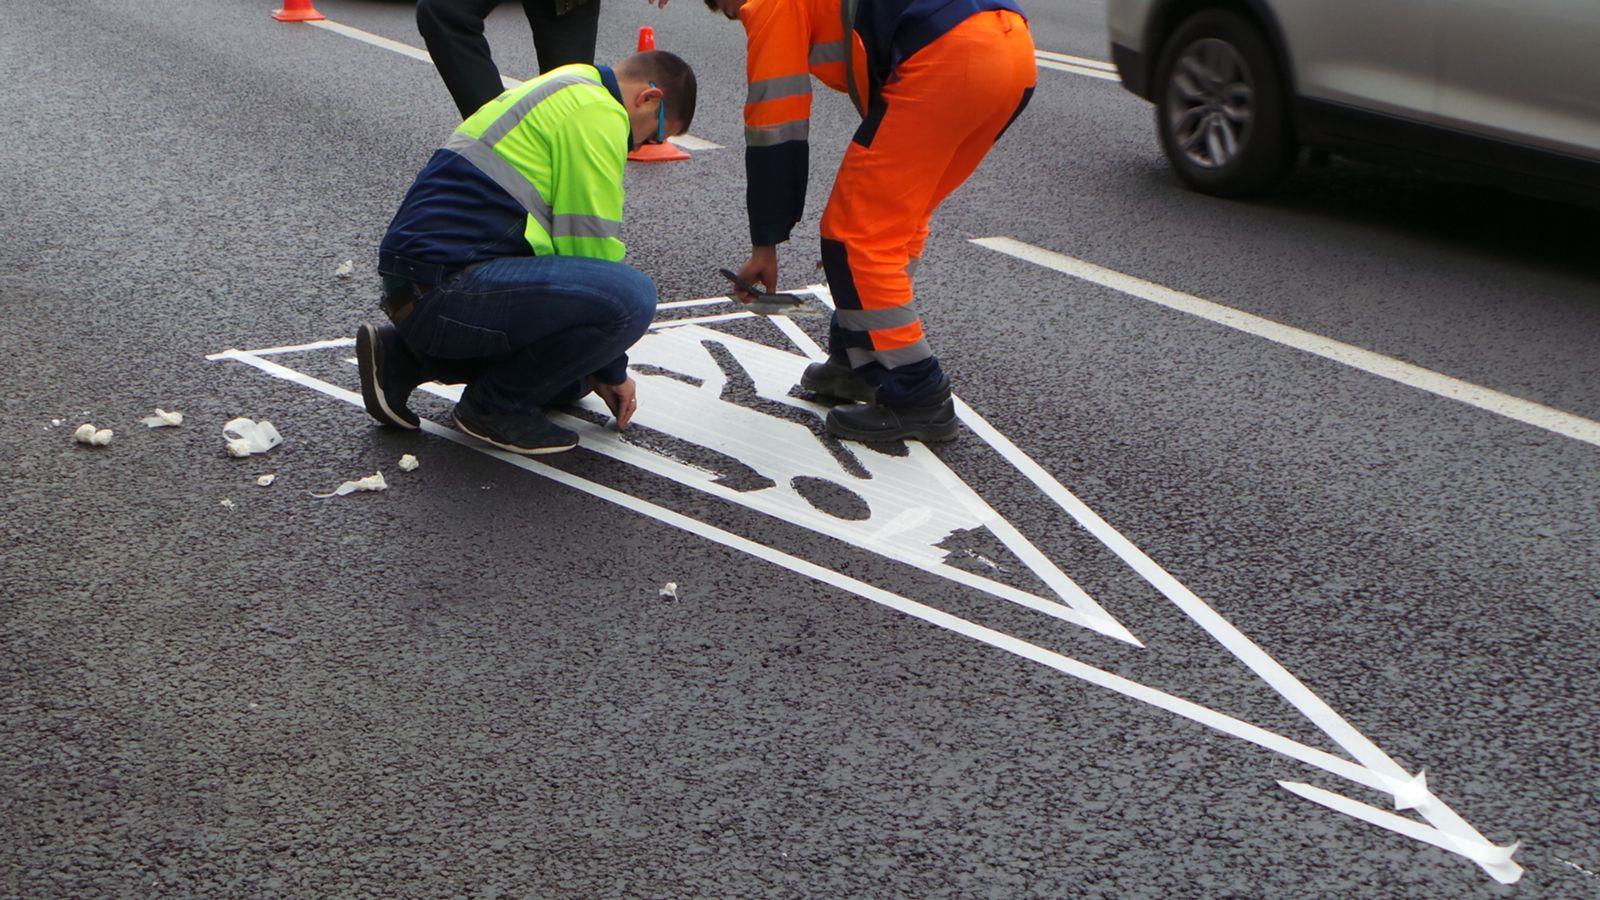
1506,93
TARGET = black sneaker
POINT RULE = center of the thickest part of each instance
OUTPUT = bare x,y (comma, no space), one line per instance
835,379
530,434
929,422
389,373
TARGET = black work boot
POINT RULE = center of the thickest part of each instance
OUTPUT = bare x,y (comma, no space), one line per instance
389,373
529,433
930,421
837,379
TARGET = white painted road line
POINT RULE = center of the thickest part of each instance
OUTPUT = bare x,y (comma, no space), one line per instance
1525,411
1077,65
686,141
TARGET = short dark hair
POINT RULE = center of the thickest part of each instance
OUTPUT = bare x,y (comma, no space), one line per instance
672,75
712,5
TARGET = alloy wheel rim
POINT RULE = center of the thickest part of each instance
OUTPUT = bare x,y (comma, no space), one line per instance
1210,103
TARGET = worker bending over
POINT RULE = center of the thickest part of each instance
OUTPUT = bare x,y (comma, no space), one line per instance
936,82
501,267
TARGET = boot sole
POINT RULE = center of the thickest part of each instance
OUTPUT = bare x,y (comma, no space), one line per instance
932,433
512,448
371,397
861,394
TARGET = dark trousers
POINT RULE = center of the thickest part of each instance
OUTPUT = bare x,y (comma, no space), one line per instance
453,31
525,331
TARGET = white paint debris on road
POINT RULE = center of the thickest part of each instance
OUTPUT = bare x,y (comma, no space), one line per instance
247,437
373,482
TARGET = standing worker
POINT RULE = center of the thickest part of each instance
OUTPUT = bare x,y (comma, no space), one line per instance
501,268
937,82
563,33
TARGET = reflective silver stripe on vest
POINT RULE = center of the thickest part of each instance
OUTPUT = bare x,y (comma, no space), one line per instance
513,117
503,173
876,319
829,52
847,16
582,226
771,135
889,359
778,88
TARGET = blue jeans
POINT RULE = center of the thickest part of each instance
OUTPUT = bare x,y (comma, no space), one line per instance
526,330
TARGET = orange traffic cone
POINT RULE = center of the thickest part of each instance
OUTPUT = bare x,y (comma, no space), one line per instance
298,11
665,151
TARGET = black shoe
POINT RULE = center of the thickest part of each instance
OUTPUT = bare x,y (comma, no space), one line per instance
530,434
929,422
389,373
834,379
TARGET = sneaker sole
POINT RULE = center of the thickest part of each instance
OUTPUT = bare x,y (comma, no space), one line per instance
371,397
934,433
828,389
512,448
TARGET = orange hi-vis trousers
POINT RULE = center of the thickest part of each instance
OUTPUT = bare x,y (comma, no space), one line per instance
941,112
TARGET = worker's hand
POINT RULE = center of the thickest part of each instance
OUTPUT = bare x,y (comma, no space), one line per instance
761,268
622,399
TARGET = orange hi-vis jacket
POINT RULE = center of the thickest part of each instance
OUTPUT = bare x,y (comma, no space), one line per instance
850,45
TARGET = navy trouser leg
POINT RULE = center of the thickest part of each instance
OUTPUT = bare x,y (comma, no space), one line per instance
531,327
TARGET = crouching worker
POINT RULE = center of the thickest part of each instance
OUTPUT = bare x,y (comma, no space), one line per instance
501,268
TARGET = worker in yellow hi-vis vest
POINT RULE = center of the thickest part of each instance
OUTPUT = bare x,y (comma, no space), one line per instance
501,268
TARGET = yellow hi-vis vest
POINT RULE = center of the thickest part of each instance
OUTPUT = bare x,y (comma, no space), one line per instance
558,144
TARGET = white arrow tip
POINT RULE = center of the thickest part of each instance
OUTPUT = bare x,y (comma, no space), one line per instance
1412,793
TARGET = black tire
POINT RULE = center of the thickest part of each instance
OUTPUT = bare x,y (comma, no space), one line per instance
1197,117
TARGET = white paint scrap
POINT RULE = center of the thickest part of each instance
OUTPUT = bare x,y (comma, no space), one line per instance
163,419
373,482
408,463
246,437
266,480
344,269
669,591
56,423
94,437
226,503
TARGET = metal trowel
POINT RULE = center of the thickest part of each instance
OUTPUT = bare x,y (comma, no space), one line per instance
765,304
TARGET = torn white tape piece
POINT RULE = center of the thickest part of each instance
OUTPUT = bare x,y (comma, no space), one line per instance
226,503
669,591
163,419
408,463
266,479
345,269
373,482
1495,859
246,437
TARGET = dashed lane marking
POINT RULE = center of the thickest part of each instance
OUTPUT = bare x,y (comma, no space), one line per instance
1077,65
1527,412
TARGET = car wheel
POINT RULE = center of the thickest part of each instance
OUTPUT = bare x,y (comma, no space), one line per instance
1220,107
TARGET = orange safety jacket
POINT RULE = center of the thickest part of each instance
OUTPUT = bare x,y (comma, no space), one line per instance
850,45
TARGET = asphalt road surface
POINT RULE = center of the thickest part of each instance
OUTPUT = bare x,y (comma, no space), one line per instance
1264,508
